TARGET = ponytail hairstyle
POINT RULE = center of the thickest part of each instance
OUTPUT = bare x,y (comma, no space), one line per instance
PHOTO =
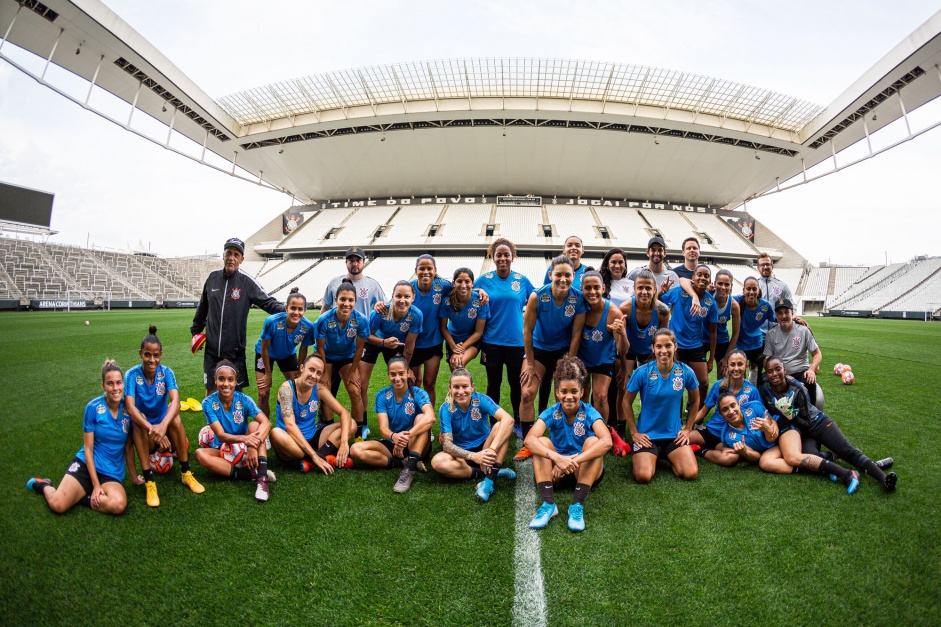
724,272
345,286
313,356
645,273
295,293
570,368
225,363
452,297
398,359
458,372
560,260
736,351
606,269
591,272
110,365
388,315
501,241
151,338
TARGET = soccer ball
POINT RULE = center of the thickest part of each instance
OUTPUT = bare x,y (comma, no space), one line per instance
161,462
838,369
848,377
207,439
233,453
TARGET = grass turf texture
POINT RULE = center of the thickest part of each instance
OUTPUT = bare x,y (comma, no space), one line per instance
735,546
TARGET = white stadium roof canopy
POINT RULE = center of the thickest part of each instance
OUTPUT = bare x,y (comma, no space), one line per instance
473,126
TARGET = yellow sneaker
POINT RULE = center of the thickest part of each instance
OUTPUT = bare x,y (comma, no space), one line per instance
152,499
190,481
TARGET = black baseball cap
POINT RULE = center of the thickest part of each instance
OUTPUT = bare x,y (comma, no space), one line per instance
783,303
355,251
656,240
236,243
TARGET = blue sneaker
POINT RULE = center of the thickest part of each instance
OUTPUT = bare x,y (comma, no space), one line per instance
546,512
576,517
485,489
853,482
38,485
506,473
518,431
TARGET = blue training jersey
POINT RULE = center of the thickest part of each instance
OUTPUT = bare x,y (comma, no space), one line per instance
111,435
689,329
661,398
429,305
751,335
469,427
305,414
402,413
749,393
576,277
340,340
507,300
461,323
553,330
753,438
598,346
722,324
642,339
283,344
569,438
150,399
384,326
233,421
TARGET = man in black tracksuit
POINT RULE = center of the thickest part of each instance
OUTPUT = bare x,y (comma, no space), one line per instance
228,296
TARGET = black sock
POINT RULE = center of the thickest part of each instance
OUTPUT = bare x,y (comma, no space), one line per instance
477,473
702,452
148,474
328,448
185,466
492,475
829,468
242,474
581,493
395,462
526,426
546,492
622,426
795,470
869,467
263,466
411,462
365,414
86,500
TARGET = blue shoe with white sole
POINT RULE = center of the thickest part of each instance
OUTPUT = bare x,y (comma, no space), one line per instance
576,517
545,513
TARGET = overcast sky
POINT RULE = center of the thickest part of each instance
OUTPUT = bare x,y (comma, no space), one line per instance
114,188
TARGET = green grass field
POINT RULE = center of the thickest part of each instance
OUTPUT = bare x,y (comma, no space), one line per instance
736,546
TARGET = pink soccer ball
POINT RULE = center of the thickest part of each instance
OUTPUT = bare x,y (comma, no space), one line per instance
161,462
233,453
848,377
207,439
838,369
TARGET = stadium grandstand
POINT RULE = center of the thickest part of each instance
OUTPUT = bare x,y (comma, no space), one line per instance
446,156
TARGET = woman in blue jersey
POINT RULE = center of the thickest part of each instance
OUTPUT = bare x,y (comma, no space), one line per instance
502,342
552,327
405,416
475,435
152,400
238,428
94,477
573,248
572,454
463,320
754,311
707,437
430,294
659,433
603,340
691,321
298,437
280,338
728,311
391,333
748,431
340,335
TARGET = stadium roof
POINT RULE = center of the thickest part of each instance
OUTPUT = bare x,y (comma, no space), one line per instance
474,126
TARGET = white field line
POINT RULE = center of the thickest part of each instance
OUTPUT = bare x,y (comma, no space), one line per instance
529,601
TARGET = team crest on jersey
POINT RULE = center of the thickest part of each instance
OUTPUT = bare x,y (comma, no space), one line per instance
388,394
363,292
579,426
332,324
471,313
733,436
281,326
161,388
742,398
573,299
796,342
489,275
723,319
215,405
515,286
703,312
403,327
236,293
759,316
677,384
569,311
651,331
545,297
139,380
436,299
101,409
298,339
776,289
351,333
597,336
475,413
409,408
238,417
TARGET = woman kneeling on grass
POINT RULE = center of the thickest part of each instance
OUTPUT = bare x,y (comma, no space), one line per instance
94,477
405,416
153,402
572,455
233,446
659,433
298,439
475,432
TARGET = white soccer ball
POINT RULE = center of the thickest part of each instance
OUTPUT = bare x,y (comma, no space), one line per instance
161,462
207,439
233,453
87,323
838,369
848,377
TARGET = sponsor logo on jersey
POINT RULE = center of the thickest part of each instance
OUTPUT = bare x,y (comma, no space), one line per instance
388,394
597,336
438,287
677,384
515,286
557,414
489,275
475,303
409,408
100,409
161,388
475,413
545,297
239,405
573,299
139,380
471,313
579,426
749,412
281,326
354,322
332,324
126,425
764,308
160,375
215,405
569,311
653,375
678,372
475,402
651,331
733,435
238,417
303,413
236,293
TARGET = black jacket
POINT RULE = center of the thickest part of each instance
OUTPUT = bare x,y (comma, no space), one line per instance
223,311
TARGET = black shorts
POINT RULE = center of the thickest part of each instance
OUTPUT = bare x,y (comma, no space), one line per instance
606,370
79,470
288,364
390,446
721,350
549,359
339,364
421,355
755,355
209,371
321,425
497,355
661,448
449,353
691,355
639,359
371,353
711,440
568,481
